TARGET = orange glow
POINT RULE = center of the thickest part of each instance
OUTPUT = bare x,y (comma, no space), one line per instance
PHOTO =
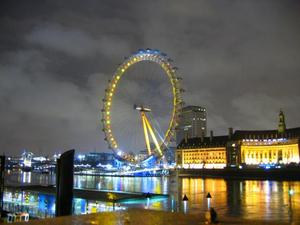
282,153
203,158
196,190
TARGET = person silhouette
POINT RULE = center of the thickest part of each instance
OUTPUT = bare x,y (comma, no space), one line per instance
213,215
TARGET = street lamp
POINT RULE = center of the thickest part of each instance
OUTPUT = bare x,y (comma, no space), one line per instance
185,203
148,196
208,197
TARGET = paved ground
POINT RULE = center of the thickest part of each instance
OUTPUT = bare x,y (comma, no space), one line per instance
139,217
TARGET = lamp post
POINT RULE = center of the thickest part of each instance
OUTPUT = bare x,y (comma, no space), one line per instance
208,197
148,196
185,203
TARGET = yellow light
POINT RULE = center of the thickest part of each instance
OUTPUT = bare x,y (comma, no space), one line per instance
134,59
110,94
108,103
108,121
114,85
146,132
152,134
122,70
107,113
128,64
118,77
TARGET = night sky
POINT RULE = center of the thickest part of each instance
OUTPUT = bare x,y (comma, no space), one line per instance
239,59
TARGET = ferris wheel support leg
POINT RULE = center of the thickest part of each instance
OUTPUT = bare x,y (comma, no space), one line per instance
152,135
146,133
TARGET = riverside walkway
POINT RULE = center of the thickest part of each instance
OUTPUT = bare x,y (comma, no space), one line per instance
140,217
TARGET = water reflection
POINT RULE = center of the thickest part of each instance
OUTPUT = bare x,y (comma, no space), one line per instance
261,200
270,200
36,204
157,185
252,199
40,205
26,178
197,190
29,178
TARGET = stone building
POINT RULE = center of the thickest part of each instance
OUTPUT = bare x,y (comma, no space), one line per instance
242,148
203,152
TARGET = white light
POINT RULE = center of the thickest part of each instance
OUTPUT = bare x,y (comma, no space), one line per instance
291,192
40,158
80,157
109,166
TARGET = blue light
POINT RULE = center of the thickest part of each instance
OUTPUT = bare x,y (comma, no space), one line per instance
141,51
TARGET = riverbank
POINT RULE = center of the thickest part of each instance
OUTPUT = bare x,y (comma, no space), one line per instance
245,173
145,217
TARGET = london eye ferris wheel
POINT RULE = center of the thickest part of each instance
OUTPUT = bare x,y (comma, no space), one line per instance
156,144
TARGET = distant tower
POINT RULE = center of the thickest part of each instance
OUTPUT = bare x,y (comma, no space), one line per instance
192,123
281,124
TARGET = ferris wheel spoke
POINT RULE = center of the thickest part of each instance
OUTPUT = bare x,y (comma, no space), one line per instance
146,133
153,135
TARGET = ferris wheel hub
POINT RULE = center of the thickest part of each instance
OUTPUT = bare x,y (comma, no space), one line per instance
141,108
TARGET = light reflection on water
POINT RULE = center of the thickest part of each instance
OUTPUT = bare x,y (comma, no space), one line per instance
252,199
157,185
29,178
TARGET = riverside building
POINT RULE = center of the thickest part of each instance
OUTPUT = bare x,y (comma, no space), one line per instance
203,152
258,148
263,147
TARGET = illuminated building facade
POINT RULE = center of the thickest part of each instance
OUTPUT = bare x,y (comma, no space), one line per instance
242,147
204,152
266,147
192,123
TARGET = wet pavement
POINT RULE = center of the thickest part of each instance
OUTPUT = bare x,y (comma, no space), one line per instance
140,217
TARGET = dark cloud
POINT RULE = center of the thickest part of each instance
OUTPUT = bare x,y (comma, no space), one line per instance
240,59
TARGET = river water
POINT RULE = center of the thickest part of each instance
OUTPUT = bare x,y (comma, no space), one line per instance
247,199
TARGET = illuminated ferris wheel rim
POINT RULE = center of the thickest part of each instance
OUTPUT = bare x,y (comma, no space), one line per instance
142,55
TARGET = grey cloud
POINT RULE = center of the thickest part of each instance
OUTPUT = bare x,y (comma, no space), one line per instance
74,42
239,59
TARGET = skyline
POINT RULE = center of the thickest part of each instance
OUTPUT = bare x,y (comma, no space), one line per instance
240,60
